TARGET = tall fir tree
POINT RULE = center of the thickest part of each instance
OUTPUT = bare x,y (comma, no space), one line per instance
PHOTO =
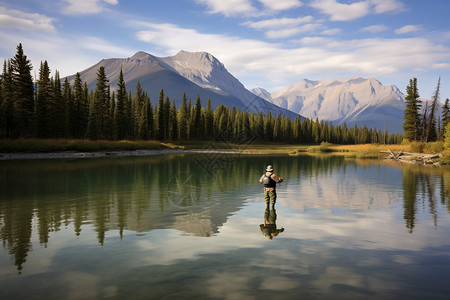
92,128
7,111
173,122
182,116
140,115
43,102
196,119
80,108
150,118
120,118
101,103
166,112
161,115
23,94
58,108
412,122
445,116
431,133
209,120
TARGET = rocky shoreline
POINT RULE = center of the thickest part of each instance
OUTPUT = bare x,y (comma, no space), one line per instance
99,154
73,154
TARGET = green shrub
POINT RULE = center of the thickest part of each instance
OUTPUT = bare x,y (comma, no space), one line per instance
434,147
416,147
323,147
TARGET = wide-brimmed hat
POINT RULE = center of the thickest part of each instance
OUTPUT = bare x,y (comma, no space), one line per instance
269,168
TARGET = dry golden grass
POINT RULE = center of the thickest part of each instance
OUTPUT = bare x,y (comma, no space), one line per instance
365,147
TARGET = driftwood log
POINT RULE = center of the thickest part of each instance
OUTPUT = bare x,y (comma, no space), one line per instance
412,157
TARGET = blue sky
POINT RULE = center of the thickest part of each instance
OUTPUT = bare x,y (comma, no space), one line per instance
266,43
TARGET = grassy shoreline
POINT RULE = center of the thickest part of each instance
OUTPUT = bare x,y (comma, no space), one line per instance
30,146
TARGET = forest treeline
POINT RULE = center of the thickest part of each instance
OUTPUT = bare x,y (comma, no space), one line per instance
50,108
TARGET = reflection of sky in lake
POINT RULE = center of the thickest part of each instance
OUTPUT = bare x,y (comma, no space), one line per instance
345,237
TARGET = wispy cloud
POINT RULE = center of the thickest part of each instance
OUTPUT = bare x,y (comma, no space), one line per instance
332,31
228,8
375,28
342,12
15,19
288,32
281,4
408,29
384,6
346,12
284,27
86,7
277,22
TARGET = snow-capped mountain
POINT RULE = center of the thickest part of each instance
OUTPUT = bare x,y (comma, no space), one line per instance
353,101
193,73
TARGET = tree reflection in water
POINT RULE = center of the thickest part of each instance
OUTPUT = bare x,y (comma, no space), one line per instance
136,194
423,189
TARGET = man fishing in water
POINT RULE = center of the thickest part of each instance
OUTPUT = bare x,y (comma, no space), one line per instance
270,180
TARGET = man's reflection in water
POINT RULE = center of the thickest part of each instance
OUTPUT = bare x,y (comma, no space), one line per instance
269,228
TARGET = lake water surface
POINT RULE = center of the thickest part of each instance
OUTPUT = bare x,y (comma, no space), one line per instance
191,226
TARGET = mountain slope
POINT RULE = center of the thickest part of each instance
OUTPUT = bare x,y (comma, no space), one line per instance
197,73
353,101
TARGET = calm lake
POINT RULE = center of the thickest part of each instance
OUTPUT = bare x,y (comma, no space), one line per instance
191,226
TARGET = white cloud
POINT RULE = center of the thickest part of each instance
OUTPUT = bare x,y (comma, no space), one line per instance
382,6
346,12
84,7
408,29
229,7
332,31
375,28
266,61
278,22
16,19
287,32
342,12
281,4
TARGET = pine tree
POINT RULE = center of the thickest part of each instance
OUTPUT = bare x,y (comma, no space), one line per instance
196,119
209,121
166,111
431,134
101,103
92,128
445,117
80,108
57,110
161,120
259,127
43,102
173,122
182,117
140,115
411,125
150,119
23,94
120,119
7,110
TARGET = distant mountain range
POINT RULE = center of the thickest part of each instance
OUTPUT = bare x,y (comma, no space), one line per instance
352,100
193,73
